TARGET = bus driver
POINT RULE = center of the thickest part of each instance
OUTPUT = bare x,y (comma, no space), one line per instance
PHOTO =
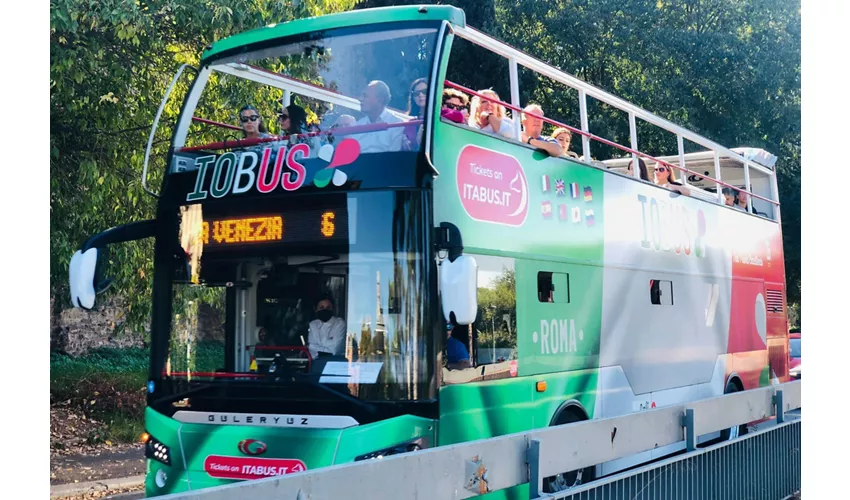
327,332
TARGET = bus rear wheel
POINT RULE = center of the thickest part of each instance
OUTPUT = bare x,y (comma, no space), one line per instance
572,479
735,431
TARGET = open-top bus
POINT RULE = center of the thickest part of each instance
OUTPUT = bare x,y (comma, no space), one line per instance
564,288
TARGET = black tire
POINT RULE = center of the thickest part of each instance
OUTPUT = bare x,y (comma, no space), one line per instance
571,479
726,434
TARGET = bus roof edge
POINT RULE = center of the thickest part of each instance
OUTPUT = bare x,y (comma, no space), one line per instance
338,20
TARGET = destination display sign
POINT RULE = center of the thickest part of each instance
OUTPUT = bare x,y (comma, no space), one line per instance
293,226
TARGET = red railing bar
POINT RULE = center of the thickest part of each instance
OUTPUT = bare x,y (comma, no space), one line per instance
341,131
212,374
599,139
218,124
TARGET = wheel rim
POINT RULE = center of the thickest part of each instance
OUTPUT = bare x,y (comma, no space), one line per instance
734,432
562,481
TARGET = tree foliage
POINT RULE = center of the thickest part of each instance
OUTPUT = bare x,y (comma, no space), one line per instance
110,63
726,69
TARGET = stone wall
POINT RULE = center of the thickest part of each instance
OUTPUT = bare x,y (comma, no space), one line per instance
77,331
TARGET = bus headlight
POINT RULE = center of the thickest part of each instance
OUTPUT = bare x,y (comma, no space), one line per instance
157,451
406,447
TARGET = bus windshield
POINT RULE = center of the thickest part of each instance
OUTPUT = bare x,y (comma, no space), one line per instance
250,299
368,83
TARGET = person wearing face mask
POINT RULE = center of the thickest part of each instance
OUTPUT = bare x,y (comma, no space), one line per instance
327,332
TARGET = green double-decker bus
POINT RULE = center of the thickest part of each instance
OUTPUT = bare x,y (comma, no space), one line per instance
348,267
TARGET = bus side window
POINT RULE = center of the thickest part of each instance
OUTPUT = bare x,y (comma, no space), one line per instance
553,287
494,331
661,292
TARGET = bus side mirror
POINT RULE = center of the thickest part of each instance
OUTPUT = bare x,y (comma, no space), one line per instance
81,277
459,289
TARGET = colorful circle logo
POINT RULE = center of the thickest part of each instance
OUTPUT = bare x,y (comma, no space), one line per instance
252,447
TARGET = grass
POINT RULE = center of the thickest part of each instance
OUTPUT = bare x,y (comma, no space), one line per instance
108,385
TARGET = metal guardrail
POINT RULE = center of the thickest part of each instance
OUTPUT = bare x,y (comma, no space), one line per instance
763,465
469,469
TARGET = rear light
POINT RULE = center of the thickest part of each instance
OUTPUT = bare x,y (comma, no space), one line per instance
157,451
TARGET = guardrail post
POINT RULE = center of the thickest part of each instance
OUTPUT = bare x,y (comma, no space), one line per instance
688,424
779,401
533,459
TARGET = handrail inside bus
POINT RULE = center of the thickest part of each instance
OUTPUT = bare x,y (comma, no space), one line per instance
296,85
339,131
591,136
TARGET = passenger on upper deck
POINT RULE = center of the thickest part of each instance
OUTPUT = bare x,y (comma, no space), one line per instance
253,126
564,136
643,175
489,116
344,121
665,178
743,200
532,127
454,106
416,109
729,197
373,104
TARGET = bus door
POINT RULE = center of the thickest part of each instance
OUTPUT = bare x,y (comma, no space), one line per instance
559,317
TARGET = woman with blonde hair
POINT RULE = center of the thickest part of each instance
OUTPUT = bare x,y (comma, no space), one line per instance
489,116
564,136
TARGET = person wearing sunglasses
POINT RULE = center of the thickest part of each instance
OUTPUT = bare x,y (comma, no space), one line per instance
253,127
454,106
665,178
252,123
416,110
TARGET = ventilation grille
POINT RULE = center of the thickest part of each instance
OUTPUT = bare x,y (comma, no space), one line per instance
774,301
778,360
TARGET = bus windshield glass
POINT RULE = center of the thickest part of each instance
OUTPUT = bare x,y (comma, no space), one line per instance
328,291
367,83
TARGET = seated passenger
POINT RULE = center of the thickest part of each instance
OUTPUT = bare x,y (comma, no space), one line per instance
294,126
743,200
643,175
327,332
373,104
532,127
489,116
665,178
564,136
729,197
416,110
344,121
454,106
253,127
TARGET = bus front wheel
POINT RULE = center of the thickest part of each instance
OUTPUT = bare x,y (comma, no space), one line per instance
572,479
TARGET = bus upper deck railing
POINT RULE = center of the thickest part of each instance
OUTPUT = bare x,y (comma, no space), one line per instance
473,468
516,57
597,138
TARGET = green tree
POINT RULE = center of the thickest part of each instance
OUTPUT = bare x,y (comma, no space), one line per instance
110,63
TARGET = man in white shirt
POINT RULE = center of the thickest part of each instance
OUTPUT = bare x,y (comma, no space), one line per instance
373,104
327,332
